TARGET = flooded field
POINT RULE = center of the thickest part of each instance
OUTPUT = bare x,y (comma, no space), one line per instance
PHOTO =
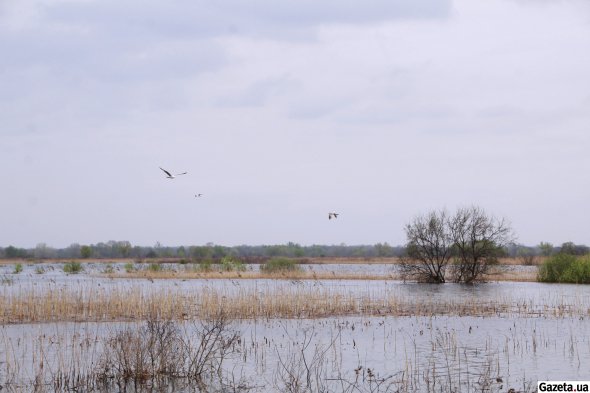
63,331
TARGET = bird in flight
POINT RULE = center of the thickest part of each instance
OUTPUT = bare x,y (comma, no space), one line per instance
332,215
198,195
170,175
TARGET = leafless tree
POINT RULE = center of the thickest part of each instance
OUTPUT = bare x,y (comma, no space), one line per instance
478,240
429,246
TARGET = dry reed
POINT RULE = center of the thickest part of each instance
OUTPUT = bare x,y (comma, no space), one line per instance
136,303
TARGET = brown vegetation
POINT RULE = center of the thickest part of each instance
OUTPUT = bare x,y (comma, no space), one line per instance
135,304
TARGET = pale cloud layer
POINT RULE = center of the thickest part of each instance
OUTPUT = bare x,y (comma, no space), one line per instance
283,111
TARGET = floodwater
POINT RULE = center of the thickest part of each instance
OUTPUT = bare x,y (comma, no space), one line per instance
499,351
463,350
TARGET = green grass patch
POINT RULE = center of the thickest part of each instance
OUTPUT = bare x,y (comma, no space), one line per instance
279,264
565,268
155,267
73,267
129,267
18,268
205,265
229,264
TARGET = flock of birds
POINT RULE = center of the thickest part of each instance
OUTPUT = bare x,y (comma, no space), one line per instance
169,175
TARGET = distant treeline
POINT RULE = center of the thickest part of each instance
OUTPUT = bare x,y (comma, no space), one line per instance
124,249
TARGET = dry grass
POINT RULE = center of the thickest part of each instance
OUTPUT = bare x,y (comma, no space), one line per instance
248,275
497,273
136,303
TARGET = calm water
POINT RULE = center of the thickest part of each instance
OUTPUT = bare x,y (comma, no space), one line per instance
514,351
464,349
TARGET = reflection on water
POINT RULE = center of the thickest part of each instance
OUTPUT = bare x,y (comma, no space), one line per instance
505,352
464,350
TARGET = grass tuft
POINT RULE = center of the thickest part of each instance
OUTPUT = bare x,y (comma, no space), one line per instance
277,265
73,267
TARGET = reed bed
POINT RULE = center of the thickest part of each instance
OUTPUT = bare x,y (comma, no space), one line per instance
249,275
92,303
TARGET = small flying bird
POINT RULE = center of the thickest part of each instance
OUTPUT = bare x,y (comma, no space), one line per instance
332,215
198,195
170,175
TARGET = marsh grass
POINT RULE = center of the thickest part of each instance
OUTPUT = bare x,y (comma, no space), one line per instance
205,356
278,265
213,272
18,268
155,267
230,264
73,267
90,303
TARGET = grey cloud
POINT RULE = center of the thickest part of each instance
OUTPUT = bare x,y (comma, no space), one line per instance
210,18
260,92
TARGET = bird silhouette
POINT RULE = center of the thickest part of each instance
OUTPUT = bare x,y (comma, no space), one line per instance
332,215
170,175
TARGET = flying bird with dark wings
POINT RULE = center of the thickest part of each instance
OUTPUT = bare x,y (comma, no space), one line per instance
332,215
170,175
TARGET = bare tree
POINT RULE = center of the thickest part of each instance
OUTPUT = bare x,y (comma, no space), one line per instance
429,246
478,241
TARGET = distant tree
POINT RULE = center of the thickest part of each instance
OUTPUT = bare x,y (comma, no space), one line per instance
42,251
85,251
181,252
546,248
136,252
219,251
384,250
428,248
11,252
526,255
14,252
571,248
124,249
274,251
200,252
151,253
478,241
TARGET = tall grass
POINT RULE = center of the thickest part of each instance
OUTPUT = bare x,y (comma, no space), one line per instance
137,303
72,267
276,265
565,268
230,264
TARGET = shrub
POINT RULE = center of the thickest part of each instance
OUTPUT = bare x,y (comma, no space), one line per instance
155,267
279,264
229,264
205,265
129,267
108,269
565,268
18,268
39,270
73,267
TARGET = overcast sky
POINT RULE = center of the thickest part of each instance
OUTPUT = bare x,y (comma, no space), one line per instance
282,111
